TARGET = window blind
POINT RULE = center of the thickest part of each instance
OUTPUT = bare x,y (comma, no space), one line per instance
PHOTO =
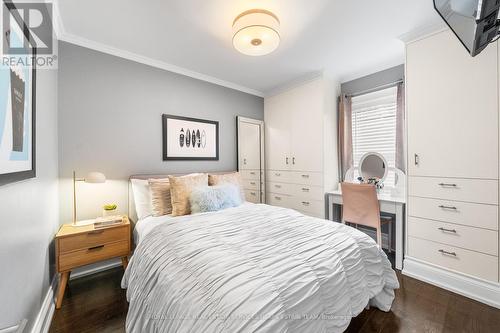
374,127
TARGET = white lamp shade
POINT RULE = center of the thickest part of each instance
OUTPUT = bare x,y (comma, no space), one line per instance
256,32
95,177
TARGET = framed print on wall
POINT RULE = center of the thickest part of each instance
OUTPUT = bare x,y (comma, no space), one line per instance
17,108
190,139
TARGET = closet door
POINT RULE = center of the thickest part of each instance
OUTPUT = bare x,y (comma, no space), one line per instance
249,146
452,109
306,114
278,133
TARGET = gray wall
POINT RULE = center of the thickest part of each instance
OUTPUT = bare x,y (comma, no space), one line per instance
374,80
29,219
110,121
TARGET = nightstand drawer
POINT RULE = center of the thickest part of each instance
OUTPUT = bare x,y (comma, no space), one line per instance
68,261
93,238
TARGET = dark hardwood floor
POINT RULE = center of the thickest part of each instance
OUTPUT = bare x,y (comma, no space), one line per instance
96,303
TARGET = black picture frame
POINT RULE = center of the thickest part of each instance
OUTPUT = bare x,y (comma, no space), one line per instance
12,177
165,118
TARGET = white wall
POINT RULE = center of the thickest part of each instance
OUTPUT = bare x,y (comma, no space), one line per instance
29,218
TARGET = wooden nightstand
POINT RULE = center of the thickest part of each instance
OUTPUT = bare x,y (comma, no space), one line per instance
79,246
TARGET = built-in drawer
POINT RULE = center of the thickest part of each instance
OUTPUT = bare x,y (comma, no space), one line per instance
250,184
469,262
466,213
70,260
280,188
470,190
307,178
92,238
277,176
310,206
250,174
280,200
474,239
308,192
319,215
252,196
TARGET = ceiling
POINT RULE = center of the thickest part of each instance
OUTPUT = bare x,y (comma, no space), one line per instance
345,38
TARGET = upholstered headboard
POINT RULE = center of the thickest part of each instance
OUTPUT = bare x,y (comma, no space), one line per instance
131,204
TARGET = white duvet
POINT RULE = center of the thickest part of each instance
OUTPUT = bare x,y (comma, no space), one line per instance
254,268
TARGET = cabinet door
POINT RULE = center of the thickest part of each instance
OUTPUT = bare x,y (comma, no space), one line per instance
452,109
306,114
249,146
277,125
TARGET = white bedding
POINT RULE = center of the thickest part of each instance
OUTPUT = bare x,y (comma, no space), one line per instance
254,268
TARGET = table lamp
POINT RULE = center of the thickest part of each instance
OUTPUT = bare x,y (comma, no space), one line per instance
91,178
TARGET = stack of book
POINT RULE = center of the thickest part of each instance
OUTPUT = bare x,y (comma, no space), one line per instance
104,222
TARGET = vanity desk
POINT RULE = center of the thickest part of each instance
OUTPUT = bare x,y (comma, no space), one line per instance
391,202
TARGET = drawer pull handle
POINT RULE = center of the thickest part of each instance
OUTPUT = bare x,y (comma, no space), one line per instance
98,247
447,185
448,230
448,207
252,193
252,173
252,183
305,189
277,174
448,253
306,203
305,176
277,186
277,198
95,232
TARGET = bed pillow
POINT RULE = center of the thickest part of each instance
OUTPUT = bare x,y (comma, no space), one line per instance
180,190
161,202
142,197
214,198
228,178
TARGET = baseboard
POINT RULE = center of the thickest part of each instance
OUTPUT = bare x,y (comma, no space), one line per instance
89,270
44,317
480,290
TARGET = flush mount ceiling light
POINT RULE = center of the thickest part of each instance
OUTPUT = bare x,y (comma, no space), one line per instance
256,32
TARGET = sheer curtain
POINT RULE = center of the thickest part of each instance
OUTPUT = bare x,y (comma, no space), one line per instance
345,135
400,129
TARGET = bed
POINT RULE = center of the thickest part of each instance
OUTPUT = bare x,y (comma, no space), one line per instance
253,268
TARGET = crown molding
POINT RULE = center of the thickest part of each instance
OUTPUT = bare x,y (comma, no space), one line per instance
301,80
423,32
64,36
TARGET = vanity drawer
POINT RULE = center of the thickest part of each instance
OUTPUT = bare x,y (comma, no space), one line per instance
465,261
280,188
277,176
250,184
475,239
252,196
70,260
471,214
307,178
280,200
470,190
91,238
308,192
310,206
250,174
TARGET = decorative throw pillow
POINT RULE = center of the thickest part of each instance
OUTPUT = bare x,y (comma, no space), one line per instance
142,197
228,178
161,202
213,198
180,190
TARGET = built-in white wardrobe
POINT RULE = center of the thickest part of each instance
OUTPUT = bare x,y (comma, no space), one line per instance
301,146
453,166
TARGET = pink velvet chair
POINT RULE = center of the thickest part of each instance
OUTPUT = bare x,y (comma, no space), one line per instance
361,207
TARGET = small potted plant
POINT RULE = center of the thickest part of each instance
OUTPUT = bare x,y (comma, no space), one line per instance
109,210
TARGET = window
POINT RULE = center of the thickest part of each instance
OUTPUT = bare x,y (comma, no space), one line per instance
374,127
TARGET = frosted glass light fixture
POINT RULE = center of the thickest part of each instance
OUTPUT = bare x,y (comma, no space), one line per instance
256,32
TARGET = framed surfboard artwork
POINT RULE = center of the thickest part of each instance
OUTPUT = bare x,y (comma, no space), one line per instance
17,107
190,139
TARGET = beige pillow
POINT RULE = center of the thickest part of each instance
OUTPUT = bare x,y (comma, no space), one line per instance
161,202
232,178
180,190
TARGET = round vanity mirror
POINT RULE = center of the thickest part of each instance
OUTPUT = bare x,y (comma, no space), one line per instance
373,166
